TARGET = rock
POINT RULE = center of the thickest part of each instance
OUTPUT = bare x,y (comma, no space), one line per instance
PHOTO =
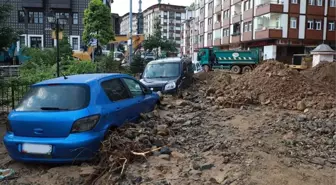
334,137
210,91
182,103
302,118
195,165
86,171
301,106
177,155
206,166
220,100
306,110
165,150
318,160
330,124
165,157
219,178
226,160
332,160
196,172
162,130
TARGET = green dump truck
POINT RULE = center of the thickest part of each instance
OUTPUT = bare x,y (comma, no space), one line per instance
236,61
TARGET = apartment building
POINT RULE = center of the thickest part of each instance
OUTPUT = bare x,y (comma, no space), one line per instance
124,24
171,18
277,28
187,32
116,20
30,16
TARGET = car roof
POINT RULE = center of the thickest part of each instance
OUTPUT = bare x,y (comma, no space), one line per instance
166,60
81,78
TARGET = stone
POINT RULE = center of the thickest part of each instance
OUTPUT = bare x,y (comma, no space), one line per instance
206,166
182,103
165,150
219,178
318,161
302,118
210,91
195,165
162,130
301,106
165,157
177,155
330,124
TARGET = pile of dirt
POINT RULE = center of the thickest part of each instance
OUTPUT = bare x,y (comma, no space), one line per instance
323,73
273,83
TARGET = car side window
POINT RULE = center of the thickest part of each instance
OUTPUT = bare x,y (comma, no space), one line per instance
135,88
115,90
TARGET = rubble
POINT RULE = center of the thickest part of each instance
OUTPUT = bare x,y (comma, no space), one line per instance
323,73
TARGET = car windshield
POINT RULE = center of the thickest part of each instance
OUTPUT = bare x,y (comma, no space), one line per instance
162,70
55,98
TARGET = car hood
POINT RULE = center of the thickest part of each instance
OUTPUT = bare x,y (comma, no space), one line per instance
155,82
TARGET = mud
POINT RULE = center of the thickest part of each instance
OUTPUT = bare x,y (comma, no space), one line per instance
199,140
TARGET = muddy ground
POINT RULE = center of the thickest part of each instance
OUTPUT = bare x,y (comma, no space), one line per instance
213,145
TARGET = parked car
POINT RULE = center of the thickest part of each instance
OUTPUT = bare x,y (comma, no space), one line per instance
197,67
168,75
64,119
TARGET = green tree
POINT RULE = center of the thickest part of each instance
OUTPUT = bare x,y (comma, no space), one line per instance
97,23
137,66
156,40
65,49
7,34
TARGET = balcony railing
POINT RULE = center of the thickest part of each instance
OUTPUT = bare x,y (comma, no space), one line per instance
269,7
237,17
268,32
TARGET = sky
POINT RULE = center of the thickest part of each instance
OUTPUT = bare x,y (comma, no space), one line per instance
121,7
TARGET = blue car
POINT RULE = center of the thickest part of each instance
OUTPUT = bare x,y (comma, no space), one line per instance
65,119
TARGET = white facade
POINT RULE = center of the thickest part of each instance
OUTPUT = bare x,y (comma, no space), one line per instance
124,25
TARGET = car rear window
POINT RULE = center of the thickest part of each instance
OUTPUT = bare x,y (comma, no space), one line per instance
59,97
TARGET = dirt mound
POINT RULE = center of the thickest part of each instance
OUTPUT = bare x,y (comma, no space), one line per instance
275,84
324,73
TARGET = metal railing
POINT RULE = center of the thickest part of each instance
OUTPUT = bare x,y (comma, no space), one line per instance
10,95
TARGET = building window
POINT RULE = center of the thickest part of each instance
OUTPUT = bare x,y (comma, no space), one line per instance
245,27
310,24
250,26
209,36
318,25
332,3
75,43
36,42
331,26
22,41
35,17
293,22
226,14
210,21
311,2
319,2
21,17
294,1
75,18
226,32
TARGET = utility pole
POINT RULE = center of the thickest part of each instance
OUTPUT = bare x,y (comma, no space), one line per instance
57,47
130,49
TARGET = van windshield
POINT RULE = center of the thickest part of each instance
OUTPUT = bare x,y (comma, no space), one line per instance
162,70
60,97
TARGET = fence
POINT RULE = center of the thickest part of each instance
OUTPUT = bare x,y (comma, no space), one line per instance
10,95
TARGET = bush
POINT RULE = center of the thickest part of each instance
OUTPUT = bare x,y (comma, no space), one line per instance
138,64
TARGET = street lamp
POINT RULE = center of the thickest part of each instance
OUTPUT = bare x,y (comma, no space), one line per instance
57,24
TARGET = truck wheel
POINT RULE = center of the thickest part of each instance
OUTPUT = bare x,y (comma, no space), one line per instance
206,68
247,69
236,69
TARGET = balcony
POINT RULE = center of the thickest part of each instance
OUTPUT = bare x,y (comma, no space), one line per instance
32,3
235,38
217,25
217,42
236,1
202,4
226,22
209,42
60,4
218,7
236,18
314,34
201,44
268,8
201,17
210,12
225,40
209,28
267,33
226,5
247,36
248,14
201,31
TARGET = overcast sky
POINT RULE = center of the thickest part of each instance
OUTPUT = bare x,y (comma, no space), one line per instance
122,6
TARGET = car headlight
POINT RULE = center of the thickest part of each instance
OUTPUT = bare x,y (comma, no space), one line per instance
85,124
170,86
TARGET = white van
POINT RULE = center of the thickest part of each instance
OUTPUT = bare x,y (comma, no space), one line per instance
197,67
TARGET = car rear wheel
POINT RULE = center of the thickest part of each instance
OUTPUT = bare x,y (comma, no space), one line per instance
235,69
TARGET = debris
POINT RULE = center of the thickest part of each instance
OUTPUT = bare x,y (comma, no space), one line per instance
206,166
164,156
6,173
86,171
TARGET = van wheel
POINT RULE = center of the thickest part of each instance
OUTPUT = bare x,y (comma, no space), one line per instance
236,69
247,69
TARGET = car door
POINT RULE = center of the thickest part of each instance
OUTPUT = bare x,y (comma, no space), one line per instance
119,101
142,102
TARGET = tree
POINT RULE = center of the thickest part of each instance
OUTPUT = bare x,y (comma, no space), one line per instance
7,34
65,48
156,40
137,66
97,23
